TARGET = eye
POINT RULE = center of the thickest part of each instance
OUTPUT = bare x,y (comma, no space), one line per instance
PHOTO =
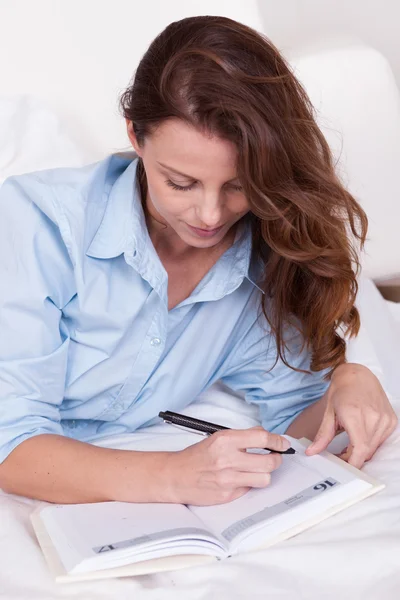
180,188
236,187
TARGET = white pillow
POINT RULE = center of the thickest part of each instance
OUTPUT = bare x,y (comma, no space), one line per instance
354,91
32,138
378,344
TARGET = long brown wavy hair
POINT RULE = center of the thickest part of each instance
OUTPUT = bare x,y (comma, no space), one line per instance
224,78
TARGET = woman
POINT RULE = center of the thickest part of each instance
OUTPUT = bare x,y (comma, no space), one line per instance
219,252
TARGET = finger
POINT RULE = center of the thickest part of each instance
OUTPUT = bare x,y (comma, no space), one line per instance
388,426
394,421
366,448
346,453
236,494
325,434
379,437
377,440
254,480
258,463
258,437
230,480
359,454
359,442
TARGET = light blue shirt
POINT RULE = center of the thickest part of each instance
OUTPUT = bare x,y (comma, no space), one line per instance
87,345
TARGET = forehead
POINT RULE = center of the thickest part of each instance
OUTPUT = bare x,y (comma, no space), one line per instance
191,151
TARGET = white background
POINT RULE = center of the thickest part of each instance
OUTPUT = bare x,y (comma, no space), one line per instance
38,37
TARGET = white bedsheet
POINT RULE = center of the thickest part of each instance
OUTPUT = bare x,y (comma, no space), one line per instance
353,555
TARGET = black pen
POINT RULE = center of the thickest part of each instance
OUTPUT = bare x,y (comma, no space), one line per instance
204,426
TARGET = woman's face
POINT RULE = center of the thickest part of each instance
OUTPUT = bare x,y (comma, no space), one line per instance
193,186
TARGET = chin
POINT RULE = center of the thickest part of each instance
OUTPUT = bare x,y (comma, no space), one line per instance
206,243
199,242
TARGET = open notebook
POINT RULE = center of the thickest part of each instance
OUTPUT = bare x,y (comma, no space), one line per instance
114,539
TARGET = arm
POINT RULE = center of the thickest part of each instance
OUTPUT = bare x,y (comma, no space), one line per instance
281,394
355,402
305,405
58,469
36,460
62,470
36,282
308,422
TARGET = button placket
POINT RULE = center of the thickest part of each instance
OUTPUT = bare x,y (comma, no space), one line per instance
150,353
154,340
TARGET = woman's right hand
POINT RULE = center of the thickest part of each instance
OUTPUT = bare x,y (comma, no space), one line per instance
218,469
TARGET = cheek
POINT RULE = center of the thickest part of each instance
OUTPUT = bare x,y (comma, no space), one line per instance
166,201
239,206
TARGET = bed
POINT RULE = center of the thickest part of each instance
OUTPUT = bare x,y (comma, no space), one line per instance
354,554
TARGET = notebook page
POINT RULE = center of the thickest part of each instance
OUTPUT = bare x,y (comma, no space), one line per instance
301,516
105,530
299,479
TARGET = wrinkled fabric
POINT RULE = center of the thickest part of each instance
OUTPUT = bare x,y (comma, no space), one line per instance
88,347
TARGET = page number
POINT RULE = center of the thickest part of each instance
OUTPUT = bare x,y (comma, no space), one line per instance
324,485
105,548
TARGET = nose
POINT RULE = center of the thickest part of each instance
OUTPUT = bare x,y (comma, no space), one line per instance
209,210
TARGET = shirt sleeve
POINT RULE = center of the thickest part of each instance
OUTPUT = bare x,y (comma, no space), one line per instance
36,281
280,392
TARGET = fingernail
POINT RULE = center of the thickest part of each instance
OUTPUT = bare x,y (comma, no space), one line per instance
285,444
310,448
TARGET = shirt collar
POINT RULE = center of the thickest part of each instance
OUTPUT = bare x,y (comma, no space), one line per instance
231,269
121,217
123,230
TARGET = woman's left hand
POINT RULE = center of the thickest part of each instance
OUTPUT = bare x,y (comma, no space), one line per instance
355,402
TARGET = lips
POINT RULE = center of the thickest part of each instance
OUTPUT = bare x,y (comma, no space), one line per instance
205,232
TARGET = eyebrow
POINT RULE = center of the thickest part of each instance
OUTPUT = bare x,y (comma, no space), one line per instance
185,174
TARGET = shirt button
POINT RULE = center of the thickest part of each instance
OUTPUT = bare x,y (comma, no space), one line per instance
155,342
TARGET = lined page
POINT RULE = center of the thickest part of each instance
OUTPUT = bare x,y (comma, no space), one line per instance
101,533
300,479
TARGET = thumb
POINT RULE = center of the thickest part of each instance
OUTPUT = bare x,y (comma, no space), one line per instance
325,434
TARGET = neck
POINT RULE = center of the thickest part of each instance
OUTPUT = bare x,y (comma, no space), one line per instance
164,238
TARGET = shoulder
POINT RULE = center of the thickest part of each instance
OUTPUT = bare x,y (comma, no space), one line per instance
67,203
56,191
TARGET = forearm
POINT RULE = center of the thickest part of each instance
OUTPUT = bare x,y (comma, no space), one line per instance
58,469
309,420
307,423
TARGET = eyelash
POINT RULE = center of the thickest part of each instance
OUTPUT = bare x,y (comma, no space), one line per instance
187,188
180,188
